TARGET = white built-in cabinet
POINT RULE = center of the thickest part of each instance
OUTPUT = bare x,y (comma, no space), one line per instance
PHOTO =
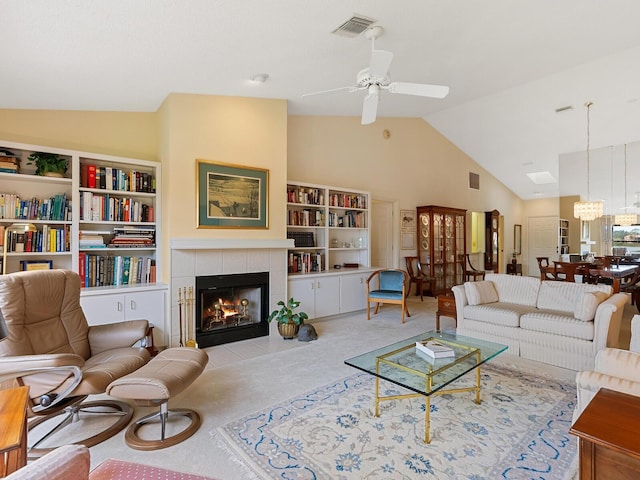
124,196
331,259
104,306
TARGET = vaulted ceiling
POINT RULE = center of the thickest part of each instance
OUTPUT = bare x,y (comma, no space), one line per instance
509,65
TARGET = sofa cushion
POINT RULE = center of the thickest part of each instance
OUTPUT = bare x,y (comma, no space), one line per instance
564,296
479,293
506,314
557,323
587,305
515,289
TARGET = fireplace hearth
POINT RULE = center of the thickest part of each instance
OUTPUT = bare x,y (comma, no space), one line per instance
232,307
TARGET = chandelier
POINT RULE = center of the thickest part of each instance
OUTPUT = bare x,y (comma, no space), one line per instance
626,219
587,210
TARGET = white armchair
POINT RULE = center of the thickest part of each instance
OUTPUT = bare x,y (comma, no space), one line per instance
615,369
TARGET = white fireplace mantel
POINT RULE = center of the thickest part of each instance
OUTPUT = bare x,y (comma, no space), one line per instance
228,243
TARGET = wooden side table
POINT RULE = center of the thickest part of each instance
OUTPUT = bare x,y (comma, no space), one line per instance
446,307
13,429
607,432
514,269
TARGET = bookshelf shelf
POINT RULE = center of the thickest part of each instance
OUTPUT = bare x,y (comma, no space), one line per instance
124,182
321,220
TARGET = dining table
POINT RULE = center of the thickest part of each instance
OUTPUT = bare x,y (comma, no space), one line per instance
615,272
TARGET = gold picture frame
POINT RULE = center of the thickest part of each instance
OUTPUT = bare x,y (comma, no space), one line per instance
231,196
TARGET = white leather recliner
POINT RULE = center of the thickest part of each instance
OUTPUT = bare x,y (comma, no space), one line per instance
614,369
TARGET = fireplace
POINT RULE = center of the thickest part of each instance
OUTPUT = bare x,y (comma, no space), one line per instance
231,307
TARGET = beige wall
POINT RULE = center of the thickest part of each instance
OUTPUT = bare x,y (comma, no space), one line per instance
243,131
124,134
415,166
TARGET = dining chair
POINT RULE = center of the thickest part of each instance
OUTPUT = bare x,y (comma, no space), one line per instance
417,276
470,272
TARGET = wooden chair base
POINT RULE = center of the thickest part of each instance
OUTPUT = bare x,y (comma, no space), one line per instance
72,413
134,441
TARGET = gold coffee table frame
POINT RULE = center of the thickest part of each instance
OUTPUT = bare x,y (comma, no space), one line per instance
428,377
399,363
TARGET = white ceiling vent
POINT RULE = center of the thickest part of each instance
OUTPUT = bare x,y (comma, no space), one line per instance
354,26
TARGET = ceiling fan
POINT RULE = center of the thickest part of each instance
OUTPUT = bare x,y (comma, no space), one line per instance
375,78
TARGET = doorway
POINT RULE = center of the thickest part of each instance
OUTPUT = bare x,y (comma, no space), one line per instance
543,241
382,234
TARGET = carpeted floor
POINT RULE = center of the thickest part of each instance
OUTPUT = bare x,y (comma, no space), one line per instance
518,431
251,375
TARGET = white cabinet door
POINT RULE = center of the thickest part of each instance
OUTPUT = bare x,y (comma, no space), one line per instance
146,306
103,309
303,290
353,292
318,297
327,296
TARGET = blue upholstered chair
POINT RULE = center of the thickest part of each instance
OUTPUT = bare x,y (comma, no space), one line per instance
387,286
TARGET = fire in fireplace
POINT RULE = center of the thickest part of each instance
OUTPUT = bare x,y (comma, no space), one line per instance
231,307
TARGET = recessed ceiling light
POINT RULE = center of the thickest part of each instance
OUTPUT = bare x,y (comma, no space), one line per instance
260,78
541,178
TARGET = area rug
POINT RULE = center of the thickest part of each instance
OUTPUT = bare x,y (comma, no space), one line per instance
519,431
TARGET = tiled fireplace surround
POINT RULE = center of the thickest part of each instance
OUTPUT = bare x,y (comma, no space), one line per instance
196,257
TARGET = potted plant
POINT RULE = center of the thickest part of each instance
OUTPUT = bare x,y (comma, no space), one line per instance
48,164
288,321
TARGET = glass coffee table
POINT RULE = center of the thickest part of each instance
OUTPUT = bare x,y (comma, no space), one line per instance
400,364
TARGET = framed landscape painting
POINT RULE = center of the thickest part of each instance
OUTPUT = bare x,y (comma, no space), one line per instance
231,196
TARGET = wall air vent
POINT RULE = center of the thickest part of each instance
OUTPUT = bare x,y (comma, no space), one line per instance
354,26
474,181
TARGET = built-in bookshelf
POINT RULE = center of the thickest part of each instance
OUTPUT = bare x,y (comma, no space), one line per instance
329,226
99,218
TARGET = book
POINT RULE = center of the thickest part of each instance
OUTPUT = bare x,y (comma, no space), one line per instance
435,349
91,176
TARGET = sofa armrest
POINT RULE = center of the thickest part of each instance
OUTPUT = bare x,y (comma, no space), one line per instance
618,363
635,334
461,301
69,462
19,363
607,321
116,335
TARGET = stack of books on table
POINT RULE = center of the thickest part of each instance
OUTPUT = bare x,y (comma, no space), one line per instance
434,349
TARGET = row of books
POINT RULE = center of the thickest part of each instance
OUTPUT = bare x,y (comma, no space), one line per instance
347,200
348,219
110,178
107,270
57,207
126,237
305,262
106,208
305,218
309,196
49,239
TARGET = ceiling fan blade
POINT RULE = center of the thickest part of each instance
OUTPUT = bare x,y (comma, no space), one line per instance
379,63
332,91
420,89
369,108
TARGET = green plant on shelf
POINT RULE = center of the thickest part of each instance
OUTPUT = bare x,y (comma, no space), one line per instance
48,163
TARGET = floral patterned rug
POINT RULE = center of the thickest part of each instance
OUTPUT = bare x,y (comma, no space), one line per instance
519,431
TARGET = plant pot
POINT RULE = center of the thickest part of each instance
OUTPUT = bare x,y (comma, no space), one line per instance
288,330
53,174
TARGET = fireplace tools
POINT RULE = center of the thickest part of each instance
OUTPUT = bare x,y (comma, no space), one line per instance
187,328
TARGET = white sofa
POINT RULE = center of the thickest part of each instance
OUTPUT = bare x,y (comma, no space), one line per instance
560,323
614,369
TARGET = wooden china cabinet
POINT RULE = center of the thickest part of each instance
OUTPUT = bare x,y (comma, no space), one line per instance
492,248
442,245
